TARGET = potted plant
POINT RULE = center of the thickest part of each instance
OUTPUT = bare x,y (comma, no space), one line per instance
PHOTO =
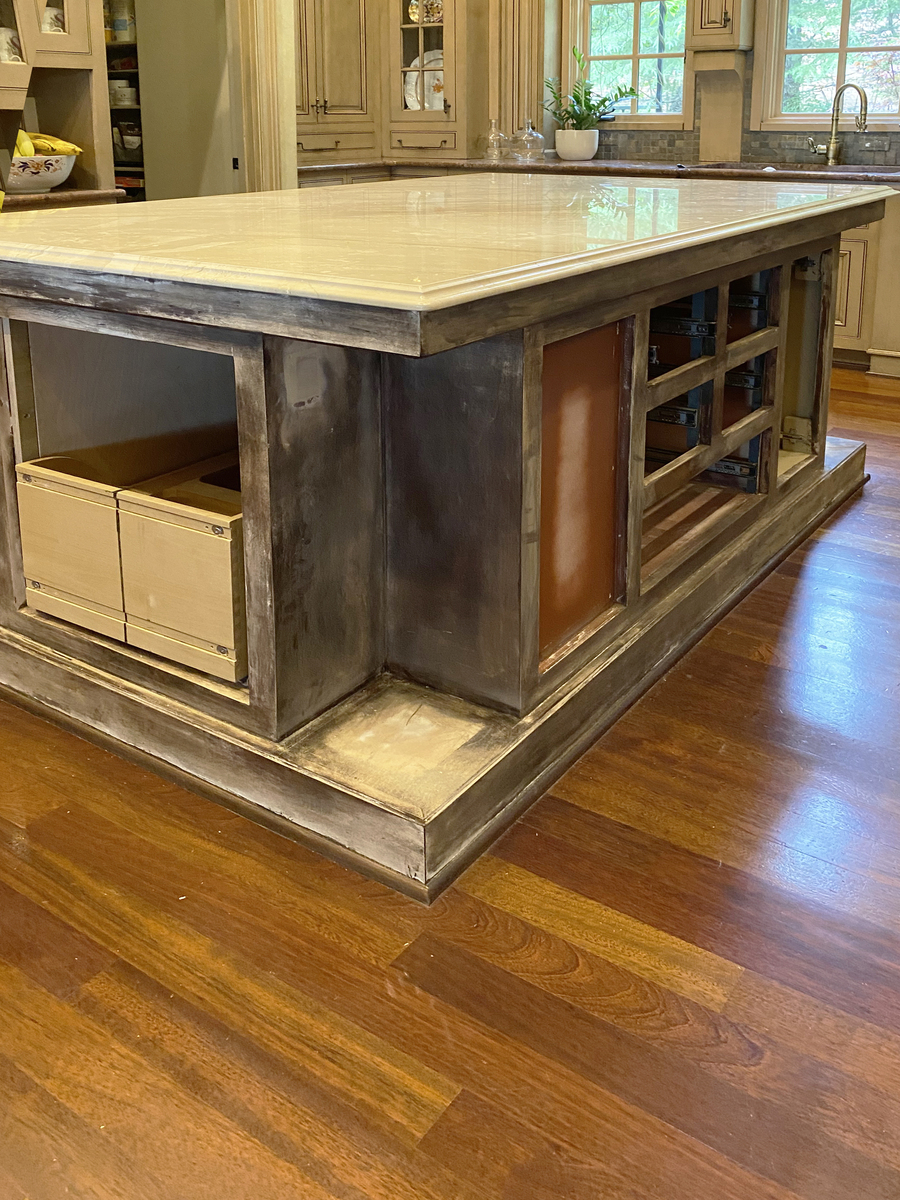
578,115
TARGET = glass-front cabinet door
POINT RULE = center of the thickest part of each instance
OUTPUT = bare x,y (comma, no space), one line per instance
15,70
422,62
65,28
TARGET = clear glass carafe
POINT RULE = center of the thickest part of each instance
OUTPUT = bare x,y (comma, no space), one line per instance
497,142
528,145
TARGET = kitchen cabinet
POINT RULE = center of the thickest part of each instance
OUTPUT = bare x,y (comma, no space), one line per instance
721,25
855,287
437,78
61,85
66,31
337,73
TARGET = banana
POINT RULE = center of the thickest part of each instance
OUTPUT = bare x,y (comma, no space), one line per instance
24,145
45,144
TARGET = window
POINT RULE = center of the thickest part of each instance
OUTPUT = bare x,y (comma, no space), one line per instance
811,47
641,43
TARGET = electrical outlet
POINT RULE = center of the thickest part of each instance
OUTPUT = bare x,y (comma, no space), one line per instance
879,145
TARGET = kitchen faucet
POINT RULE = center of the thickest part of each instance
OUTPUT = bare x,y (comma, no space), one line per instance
832,150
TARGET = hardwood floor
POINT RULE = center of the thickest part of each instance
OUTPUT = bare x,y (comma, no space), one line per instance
677,977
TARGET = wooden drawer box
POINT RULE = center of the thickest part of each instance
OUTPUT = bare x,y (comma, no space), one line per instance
182,554
70,543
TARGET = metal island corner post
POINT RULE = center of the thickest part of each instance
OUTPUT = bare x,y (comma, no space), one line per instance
364,510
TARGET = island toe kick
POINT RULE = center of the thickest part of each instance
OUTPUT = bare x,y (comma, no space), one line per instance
379,599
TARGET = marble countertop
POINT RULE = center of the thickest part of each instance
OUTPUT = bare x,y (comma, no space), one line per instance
415,244
815,170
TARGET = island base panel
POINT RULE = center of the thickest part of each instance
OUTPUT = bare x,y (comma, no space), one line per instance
399,781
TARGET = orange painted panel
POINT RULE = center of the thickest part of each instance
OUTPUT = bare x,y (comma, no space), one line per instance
579,453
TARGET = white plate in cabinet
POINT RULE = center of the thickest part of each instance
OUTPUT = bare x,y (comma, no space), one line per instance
182,547
70,544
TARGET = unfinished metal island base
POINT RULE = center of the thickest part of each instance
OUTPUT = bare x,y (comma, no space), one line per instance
365,509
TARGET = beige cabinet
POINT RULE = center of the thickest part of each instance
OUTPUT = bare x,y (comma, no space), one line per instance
337,73
61,84
855,288
721,25
436,77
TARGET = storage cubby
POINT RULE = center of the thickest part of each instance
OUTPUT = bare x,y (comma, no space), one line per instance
745,390
682,331
748,304
677,427
803,338
129,493
675,528
740,469
707,450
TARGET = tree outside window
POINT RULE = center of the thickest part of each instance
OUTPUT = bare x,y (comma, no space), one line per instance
830,42
642,44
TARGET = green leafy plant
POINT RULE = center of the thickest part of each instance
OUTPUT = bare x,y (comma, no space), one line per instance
584,109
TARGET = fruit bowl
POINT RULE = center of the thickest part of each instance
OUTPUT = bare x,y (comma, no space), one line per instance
39,173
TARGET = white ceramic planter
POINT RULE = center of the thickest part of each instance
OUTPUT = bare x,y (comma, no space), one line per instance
576,144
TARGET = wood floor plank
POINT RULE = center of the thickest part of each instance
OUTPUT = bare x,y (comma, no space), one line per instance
53,1154
646,950
46,949
863,1115
849,962
811,838
482,1144
126,1100
759,1135
298,1119
811,1026
89,868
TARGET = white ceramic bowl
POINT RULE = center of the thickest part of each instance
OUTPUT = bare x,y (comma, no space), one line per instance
39,173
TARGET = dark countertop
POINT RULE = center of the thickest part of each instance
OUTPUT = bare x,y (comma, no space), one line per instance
814,172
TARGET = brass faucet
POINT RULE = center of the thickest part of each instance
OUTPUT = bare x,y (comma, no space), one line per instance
833,149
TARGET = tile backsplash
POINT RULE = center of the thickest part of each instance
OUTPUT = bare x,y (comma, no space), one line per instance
657,145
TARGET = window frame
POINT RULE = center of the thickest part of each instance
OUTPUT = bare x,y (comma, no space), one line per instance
573,33
768,77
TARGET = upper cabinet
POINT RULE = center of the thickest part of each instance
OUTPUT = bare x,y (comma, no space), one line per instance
436,78
721,25
16,57
53,79
64,30
337,79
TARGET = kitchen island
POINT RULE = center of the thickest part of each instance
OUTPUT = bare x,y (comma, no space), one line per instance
364,510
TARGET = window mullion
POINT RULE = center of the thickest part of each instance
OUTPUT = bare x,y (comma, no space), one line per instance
842,48
635,48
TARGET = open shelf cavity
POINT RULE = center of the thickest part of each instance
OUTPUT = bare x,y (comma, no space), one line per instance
676,528
750,300
800,433
682,331
709,401
129,494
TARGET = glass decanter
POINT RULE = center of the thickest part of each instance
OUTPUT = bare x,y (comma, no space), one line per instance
497,142
528,144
